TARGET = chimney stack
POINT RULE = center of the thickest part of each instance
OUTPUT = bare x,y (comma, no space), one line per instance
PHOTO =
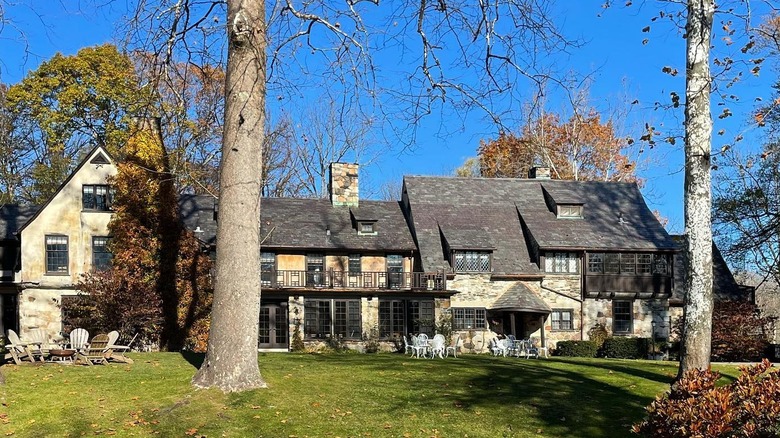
344,184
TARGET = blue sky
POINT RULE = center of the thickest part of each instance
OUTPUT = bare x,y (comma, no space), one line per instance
622,69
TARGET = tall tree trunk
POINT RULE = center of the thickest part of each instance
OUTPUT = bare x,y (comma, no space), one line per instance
231,360
697,329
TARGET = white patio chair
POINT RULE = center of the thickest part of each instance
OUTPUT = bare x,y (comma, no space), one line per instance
498,347
454,347
118,351
437,347
417,347
407,346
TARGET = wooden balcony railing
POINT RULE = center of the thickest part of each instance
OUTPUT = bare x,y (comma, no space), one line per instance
281,279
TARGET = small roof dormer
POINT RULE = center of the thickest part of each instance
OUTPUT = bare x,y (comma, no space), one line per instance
364,221
566,204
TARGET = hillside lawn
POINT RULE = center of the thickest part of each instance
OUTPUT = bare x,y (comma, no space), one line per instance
337,395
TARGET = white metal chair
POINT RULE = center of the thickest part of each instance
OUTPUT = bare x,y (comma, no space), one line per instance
454,347
407,346
436,347
118,351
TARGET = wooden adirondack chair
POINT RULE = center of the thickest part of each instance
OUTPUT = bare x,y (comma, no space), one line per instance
118,351
17,350
97,351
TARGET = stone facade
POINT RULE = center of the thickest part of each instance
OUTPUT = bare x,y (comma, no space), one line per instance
344,184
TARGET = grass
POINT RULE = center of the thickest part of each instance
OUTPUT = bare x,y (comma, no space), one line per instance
337,395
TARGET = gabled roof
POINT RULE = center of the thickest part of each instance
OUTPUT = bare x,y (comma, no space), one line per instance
724,285
13,217
521,298
98,153
516,216
292,223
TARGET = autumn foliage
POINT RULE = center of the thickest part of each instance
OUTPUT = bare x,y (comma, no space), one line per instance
159,282
581,148
738,332
695,407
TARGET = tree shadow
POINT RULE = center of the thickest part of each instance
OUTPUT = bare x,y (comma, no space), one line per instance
195,359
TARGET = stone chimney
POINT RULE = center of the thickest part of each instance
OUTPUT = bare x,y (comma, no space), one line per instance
344,184
539,171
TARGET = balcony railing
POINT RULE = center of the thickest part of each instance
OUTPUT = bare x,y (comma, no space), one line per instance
280,279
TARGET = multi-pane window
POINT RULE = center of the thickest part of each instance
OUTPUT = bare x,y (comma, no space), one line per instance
628,263
570,211
561,262
315,265
326,318
468,318
622,316
562,319
97,197
471,261
398,317
56,254
101,256
366,228
267,268
395,269
354,263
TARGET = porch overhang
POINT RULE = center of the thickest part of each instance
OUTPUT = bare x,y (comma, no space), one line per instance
520,298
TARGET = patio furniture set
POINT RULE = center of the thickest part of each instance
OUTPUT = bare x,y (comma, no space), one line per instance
421,346
101,349
511,346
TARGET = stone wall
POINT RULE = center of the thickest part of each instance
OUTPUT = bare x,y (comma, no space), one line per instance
39,308
560,292
645,312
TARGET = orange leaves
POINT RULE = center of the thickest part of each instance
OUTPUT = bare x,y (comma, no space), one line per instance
582,147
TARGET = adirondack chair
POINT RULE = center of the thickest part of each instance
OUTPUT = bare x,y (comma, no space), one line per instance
17,350
40,338
118,351
78,338
97,351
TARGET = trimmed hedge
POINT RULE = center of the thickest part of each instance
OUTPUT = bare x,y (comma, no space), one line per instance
576,349
625,348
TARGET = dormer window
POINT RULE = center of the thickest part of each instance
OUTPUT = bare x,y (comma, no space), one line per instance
569,211
97,197
366,228
471,261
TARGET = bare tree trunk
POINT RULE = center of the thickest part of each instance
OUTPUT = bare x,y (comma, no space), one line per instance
697,330
231,360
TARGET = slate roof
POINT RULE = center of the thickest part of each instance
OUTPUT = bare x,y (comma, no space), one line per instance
724,285
293,223
615,217
520,298
13,217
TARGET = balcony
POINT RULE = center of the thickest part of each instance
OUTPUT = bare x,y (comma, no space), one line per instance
281,279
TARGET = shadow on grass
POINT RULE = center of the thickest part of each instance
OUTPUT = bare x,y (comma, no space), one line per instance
556,396
195,359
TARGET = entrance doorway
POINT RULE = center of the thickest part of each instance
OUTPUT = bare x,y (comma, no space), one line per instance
273,326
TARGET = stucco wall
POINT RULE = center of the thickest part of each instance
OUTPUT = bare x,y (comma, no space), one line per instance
64,216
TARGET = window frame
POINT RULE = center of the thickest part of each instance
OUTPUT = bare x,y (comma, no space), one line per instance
556,324
569,211
482,260
401,316
635,264
99,266
267,276
629,329
94,197
50,253
354,261
322,319
560,262
462,315
315,277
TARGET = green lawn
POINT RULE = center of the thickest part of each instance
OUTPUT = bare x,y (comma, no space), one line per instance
344,395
